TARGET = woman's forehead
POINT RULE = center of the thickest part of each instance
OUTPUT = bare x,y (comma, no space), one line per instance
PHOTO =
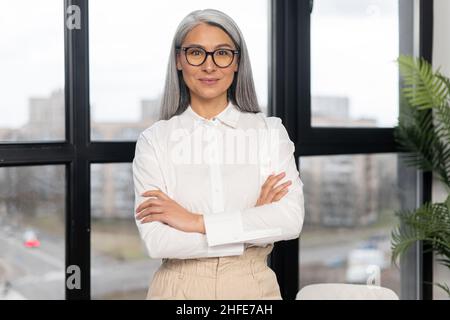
207,37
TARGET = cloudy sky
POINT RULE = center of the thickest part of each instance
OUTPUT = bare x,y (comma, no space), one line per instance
352,53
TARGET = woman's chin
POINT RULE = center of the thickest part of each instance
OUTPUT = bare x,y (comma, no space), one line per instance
209,94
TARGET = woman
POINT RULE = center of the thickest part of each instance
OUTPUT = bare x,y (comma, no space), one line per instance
211,220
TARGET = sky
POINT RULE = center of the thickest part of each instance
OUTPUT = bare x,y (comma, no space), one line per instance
31,55
352,54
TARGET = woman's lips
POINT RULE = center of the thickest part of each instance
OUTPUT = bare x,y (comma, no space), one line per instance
209,82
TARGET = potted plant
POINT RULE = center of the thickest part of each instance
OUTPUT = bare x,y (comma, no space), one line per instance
423,133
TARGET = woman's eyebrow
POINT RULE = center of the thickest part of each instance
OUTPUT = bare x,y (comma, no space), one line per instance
200,46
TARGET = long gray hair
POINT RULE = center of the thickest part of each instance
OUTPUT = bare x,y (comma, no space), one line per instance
176,97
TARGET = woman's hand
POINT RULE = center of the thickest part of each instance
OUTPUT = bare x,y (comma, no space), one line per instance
168,211
270,193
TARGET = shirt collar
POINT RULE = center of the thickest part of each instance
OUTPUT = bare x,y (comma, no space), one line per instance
229,116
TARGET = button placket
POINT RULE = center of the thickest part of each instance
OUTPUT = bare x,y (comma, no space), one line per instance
217,183
216,175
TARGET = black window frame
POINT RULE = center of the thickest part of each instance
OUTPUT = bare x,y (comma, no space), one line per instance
290,99
289,87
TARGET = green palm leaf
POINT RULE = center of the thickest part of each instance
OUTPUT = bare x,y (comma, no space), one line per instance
422,88
444,287
423,134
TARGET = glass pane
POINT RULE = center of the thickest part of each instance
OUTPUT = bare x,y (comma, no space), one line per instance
354,79
32,241
121,268
128,64
32,71
350,202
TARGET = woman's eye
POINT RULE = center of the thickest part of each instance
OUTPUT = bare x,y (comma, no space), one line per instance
222,52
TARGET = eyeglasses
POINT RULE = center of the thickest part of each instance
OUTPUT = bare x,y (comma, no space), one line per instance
196,56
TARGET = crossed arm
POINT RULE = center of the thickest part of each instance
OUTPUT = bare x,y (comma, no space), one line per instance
170,231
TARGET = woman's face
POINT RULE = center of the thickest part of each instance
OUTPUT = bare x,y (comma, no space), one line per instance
210,38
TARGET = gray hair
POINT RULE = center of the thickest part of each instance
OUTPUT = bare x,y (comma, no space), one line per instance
176,97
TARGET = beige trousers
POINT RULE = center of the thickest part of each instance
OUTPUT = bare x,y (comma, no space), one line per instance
219,278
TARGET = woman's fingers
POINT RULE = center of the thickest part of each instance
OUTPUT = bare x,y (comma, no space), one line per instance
150,218
272,179
148,211
270,182
275,191
280,194
151,206
148,203
270,192
156,193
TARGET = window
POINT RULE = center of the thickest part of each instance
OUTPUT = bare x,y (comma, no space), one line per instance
354,78
352,199
120,267
32,232
128,63
123,90
32,71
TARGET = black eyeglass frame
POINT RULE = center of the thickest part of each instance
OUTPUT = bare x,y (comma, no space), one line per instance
207,53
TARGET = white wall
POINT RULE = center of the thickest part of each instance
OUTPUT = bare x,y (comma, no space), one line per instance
441,57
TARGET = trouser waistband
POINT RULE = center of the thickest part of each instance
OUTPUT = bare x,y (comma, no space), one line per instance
253,260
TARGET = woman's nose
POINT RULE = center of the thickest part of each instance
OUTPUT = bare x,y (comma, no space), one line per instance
209,63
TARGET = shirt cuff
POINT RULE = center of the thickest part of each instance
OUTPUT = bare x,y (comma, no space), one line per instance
222,227
227,227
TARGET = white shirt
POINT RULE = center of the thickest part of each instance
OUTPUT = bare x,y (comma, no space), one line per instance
216,168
